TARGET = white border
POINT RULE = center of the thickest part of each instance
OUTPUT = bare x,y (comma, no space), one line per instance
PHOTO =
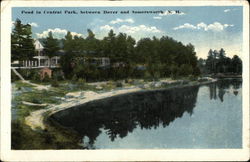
114,155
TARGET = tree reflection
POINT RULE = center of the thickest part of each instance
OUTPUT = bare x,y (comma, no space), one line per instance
224,86
121,114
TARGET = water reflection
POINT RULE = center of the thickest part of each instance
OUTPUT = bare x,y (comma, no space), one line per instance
222,87
145,119
122,114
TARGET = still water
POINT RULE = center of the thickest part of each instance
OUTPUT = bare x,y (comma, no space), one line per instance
208,116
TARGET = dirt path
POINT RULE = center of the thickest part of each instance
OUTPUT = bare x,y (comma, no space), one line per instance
37,86
35,119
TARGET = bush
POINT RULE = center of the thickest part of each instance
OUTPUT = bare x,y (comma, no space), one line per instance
119,84
36,101
192,78
36,77
81,83
14,77
147,76
46,78
74,78
54,83
58,75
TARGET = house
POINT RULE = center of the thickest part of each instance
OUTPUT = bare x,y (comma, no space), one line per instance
40,60
43,60
119,64
100,61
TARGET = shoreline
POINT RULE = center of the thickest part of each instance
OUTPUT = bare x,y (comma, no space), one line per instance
36,119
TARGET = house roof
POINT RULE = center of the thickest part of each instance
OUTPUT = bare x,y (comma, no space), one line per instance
38,45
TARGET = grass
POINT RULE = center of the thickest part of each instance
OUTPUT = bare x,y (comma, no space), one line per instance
54,136
19,84
23,137
40,97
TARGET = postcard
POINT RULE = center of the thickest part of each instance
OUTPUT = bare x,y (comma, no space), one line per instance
124,81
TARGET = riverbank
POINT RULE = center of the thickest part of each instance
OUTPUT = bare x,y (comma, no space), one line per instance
36,118
32,106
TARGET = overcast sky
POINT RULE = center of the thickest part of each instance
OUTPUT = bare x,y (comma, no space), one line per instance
204,27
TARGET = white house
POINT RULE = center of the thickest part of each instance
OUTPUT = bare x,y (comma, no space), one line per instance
100,61
41,59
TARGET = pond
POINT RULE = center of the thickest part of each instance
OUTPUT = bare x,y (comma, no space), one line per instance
208,116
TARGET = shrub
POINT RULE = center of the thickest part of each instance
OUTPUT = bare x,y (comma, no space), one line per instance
192,78
54,83
81,83
46,78
147,76
74,78
36,100
118,84
14,77
58,75
36,76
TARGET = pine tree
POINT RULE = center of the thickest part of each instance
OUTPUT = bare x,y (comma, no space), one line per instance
28,43
68,58
51,47
22,47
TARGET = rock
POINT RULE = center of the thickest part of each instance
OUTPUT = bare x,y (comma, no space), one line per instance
33,104
90,94
157,84
144,86
99,87
73,94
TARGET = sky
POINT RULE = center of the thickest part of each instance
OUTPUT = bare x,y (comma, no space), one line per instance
206,27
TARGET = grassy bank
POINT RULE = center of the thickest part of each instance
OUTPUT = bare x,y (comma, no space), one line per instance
28,100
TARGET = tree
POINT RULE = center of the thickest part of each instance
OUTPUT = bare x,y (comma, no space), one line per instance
108,45
22,47
68,57
51,47
236,64
222,53
221,66
218,62
92,44
211,61
159,57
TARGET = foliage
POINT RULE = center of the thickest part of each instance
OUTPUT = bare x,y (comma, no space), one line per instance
54,83
160,57
218,62
119,84
51,46
57,74
46,78
22,47
24,138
